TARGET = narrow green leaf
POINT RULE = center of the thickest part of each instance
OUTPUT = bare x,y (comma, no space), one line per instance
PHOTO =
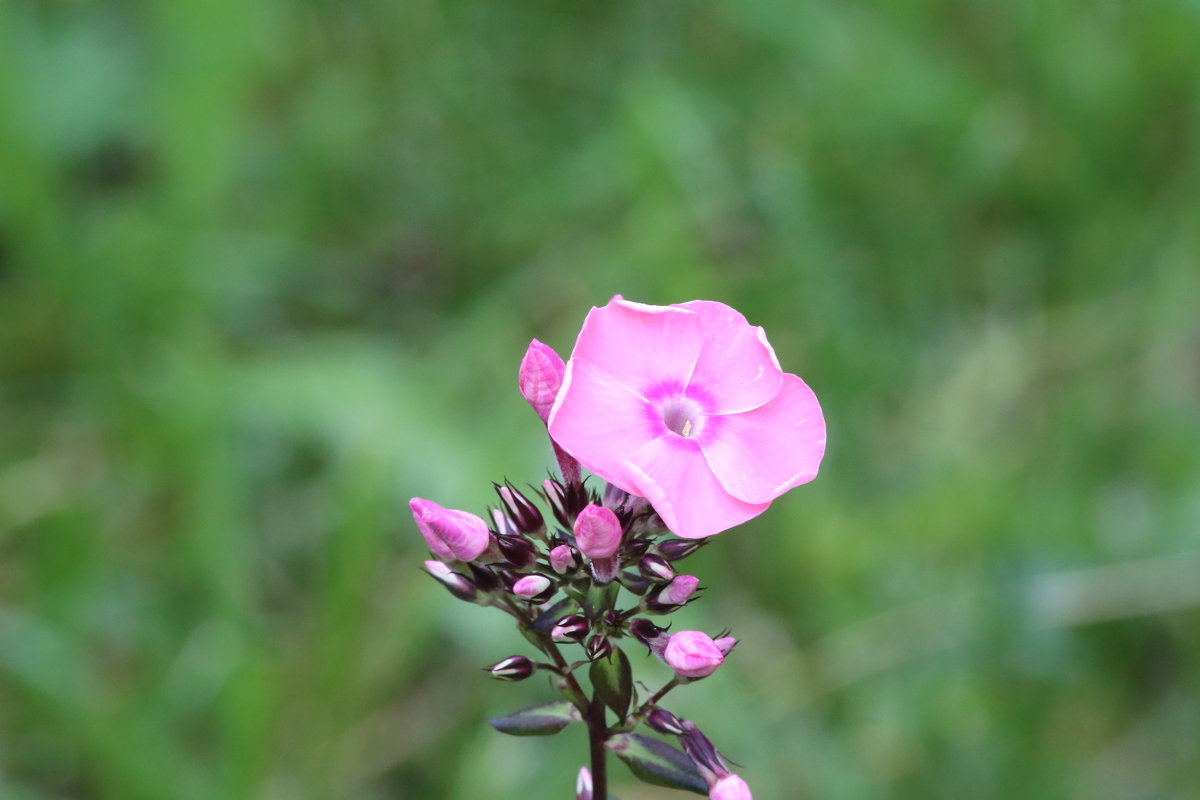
656,762
542,720
612,678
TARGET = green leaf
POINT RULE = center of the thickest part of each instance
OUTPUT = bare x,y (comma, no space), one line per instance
542,720
612,678
656,762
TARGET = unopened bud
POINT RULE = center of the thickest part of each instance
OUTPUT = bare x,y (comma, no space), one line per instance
615,497
531,586
656,568
703,753
566,500
649,634
540,377
731,787
583,785
485,578
597,532
571,628
450,534
634,547
692,654
725,644
562,559
521,513
678,591
458,585
513,668
517,551
675,549
597,647
663,721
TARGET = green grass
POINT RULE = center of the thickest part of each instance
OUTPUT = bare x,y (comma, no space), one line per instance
267,270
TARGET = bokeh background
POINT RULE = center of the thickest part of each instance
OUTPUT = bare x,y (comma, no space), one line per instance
267,270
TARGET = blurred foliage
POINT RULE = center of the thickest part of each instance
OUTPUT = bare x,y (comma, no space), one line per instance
267,269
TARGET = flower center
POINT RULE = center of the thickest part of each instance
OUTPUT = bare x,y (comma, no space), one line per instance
682,416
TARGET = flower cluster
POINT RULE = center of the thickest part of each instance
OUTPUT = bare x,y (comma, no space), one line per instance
686,415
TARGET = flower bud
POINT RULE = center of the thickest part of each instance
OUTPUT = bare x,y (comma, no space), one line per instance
540,377
566,500
655,568
531,586
615,497
571,628
597,532
450,534
725,644
649,634
675,549
692,654
703,753
731,787
517,551
597,647
458,585
583,785
513,668
663,721
562,559
485,578
680,590
521,513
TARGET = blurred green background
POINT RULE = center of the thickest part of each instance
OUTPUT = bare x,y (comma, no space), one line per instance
267,270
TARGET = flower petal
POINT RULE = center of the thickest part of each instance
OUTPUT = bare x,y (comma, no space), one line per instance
760,454
640,345
600,421
737,367
672,473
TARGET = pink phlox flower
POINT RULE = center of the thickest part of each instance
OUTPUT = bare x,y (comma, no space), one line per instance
692,654
687,406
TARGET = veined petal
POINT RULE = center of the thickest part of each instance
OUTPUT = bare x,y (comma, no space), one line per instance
760,454
639,345
600,421
672,473
737,366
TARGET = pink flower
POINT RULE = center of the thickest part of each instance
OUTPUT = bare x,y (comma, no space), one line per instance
562,558
531,585
540,377
686,406
692,654
731,787
450,534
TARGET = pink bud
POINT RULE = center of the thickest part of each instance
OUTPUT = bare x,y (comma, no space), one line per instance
679,590
583,785
450,534
692,654
725,644
561,558
597,532
531,585
540,377
731,787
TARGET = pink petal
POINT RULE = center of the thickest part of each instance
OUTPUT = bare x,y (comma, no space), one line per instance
600,421
672,474
737,366
760,454
641,345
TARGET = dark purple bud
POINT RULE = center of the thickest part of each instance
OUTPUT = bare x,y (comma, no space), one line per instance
635,548
459,586
597,647
485,579
663,721
566,501
513,668
655,568
523,514
634,582
675,549
672,596
703,753
650,635
517,551
571,628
